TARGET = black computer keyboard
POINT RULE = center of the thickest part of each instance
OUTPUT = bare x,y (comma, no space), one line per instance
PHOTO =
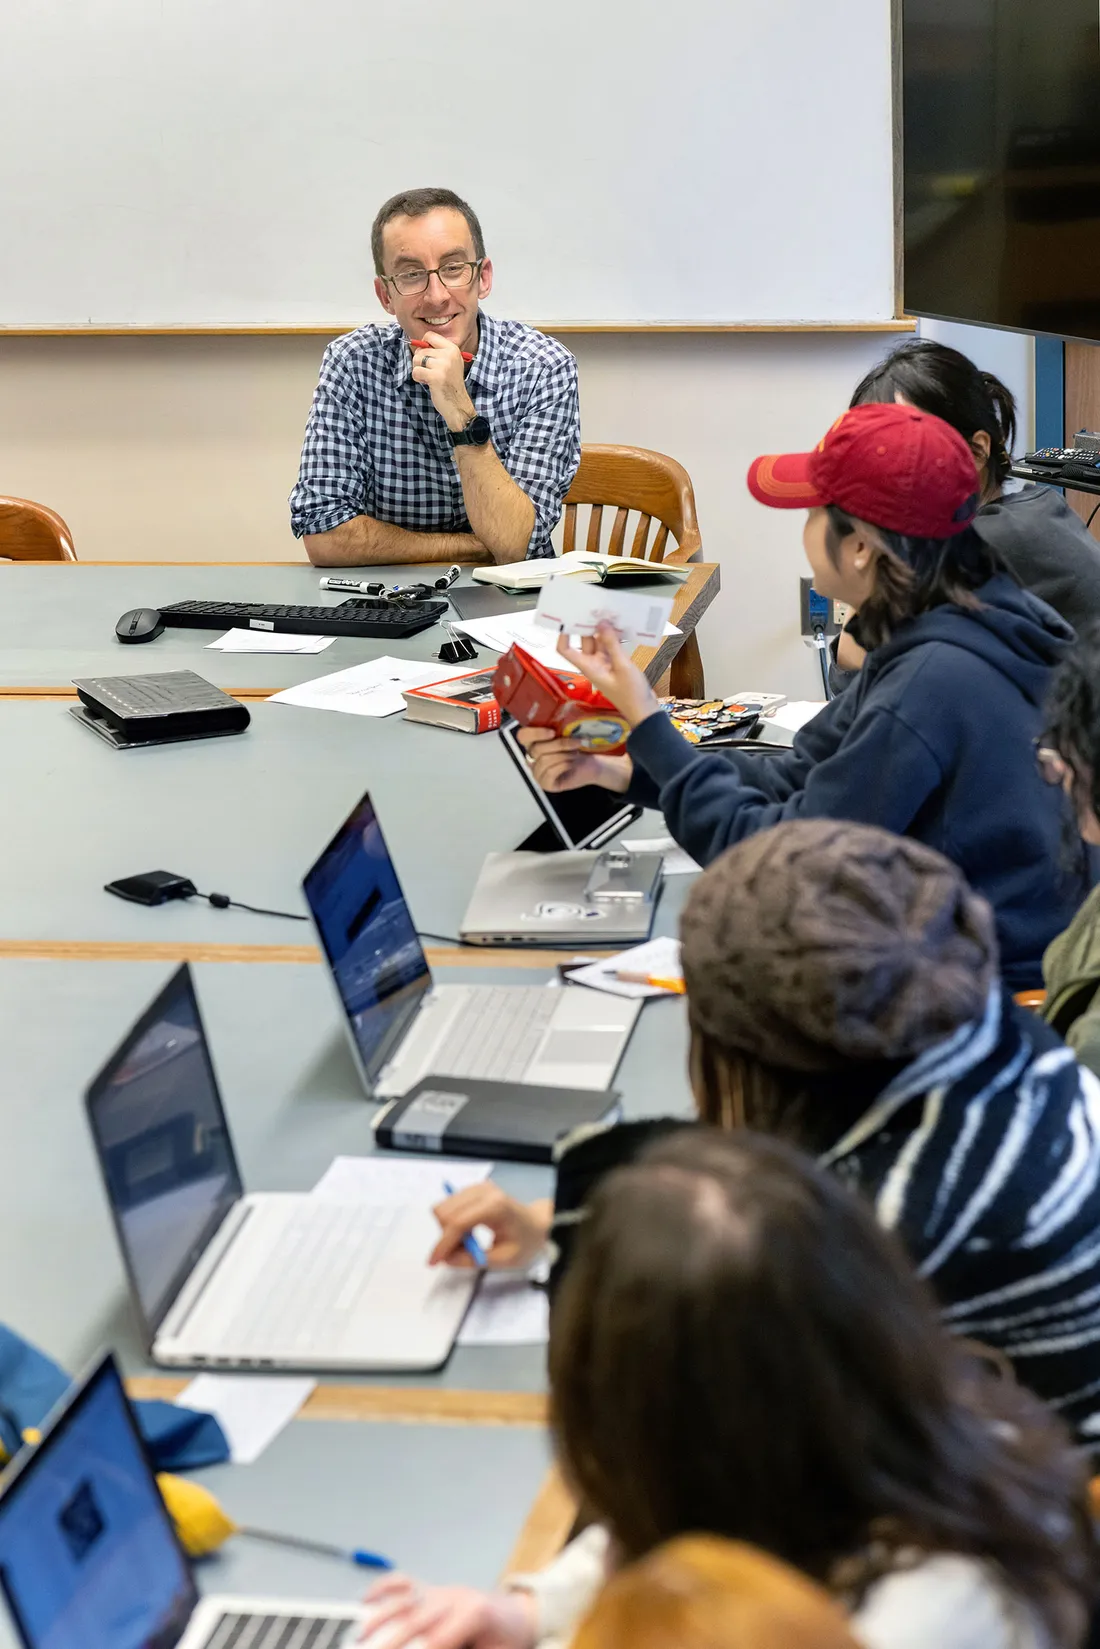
361,616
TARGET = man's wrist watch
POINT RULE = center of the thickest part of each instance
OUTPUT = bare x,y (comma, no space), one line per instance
476,433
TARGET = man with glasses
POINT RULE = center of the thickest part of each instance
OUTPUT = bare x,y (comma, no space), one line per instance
447,436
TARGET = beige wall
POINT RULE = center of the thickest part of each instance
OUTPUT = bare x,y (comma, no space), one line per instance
185,448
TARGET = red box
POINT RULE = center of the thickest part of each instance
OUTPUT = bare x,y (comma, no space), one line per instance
539,697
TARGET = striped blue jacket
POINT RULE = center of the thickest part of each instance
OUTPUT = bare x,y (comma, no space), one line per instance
984,1156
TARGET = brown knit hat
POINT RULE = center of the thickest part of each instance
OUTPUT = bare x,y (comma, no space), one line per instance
818,943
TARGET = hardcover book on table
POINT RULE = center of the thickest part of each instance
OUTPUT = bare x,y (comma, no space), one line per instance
466,703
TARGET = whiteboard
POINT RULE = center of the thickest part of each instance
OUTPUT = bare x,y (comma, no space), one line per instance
218,162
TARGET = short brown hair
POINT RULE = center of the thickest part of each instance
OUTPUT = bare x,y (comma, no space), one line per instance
705,1593
739,1349
417,203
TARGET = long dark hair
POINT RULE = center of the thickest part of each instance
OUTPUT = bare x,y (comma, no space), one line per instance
810,1109
942,381
739,1349
914,574
1073,716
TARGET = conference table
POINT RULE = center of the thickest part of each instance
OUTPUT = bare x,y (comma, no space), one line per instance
387,1461
57,621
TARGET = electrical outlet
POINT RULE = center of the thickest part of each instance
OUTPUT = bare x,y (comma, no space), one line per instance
817,611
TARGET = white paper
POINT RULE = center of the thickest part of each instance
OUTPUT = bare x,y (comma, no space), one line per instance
796,714
507,1311
252,1408
660,958
393,1182
372,689
268,641
504,630
676,861
575,608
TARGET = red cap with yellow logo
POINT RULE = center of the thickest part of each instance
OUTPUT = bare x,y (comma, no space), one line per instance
889,465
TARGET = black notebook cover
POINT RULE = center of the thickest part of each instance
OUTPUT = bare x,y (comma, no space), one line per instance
458,1116
157,709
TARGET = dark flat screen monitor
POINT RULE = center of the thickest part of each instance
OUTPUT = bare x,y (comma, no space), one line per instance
1001,160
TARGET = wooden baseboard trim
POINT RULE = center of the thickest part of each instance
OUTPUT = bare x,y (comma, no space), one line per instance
546,1527
391,1405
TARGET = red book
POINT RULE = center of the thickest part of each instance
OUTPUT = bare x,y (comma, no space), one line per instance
463,702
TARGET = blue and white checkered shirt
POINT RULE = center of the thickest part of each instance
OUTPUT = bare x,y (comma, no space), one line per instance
375,445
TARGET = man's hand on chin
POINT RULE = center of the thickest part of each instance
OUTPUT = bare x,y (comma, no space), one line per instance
441,367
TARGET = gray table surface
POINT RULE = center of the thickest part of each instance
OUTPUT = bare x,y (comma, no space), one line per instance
293,1101
245,815
58,621
443,1502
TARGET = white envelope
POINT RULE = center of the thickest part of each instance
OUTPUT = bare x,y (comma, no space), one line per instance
577,608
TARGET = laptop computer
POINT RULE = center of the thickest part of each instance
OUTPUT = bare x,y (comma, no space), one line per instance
557,889
273,1281
89,1557
403,1027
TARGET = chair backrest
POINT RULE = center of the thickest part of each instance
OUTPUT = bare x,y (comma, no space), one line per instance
33,532
628,479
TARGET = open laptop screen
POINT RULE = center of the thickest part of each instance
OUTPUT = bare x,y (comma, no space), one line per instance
368,936
88,1557
583,818
163,1145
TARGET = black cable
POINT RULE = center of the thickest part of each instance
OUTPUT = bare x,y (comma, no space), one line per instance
1092,517
222,901
445,938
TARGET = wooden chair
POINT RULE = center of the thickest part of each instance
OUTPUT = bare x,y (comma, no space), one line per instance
32,532
633,479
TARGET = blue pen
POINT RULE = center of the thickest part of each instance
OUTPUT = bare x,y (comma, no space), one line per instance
353,1554
469,1241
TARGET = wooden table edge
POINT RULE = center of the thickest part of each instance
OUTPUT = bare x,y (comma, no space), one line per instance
395,1405
172,950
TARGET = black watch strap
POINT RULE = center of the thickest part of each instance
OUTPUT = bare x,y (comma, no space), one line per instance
476,433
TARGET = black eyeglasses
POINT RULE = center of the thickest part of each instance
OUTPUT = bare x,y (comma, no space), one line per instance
454,273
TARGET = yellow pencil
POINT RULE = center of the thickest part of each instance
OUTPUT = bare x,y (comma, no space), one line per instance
627,978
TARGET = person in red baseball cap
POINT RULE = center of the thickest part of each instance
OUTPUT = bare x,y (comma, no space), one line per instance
936,738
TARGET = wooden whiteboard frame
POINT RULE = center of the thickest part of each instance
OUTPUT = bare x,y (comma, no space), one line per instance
900,323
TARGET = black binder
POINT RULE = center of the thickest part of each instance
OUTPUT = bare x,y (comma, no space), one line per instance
131,711
463,1117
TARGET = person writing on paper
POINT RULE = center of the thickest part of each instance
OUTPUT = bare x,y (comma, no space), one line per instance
934,740
448,435
842,992
738,1350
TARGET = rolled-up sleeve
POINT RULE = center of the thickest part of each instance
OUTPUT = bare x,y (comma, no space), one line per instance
334,475
545,449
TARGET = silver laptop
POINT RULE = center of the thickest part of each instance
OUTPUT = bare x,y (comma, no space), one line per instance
273,1281
89,1558
593,893
403,1027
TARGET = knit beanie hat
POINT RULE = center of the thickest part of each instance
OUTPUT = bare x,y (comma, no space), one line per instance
818,943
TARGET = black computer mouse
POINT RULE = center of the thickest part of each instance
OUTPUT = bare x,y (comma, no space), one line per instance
140,624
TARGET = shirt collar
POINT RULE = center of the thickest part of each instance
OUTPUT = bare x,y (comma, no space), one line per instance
484,369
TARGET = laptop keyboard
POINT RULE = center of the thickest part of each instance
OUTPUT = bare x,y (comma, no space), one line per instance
497,1036
280,1632
314,1277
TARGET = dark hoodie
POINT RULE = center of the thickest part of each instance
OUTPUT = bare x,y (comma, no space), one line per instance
935,741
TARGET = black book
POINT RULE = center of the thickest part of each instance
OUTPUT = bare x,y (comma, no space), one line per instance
458,1116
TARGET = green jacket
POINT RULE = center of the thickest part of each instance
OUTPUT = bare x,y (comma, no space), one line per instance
1071,970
